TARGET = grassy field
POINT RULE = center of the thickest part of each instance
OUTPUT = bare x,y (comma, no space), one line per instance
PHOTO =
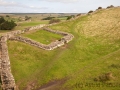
43,36
94,51
36,19
62,18
29,24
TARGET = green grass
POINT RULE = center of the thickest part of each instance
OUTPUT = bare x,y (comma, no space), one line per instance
29,24
27,60
33,23
62,18
4,31
90,54
43,36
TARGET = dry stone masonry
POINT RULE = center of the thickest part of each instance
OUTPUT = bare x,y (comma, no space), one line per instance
8,82
18,32
65,39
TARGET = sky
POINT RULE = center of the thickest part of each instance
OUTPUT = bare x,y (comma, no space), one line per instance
53,6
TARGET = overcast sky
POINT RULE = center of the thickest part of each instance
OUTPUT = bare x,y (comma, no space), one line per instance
53,6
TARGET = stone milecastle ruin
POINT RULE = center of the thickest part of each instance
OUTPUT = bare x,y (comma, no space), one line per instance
7,79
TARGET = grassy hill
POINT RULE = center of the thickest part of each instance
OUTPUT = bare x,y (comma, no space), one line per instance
94,52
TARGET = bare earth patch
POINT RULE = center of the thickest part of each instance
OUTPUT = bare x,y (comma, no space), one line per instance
53,85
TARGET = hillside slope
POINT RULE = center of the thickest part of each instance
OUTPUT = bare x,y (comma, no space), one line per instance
94,51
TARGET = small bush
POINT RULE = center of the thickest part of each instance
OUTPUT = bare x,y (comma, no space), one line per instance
2,20
117,66
54,21
6,25
48,18
110,6
99,7
7,16
27,18
90,11
105,77
70,17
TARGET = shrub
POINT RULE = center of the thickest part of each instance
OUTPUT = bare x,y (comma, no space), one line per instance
2,20
27,18
69,17
117,66
54,21
7,16
90,11
48,18
6,25
110,6
105,77
99,7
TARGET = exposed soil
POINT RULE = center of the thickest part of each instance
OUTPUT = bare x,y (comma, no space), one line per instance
53,85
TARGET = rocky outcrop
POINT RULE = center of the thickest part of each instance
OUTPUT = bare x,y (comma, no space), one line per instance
7,79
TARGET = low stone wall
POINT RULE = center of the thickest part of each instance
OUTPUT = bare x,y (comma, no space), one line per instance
55,31
8,82
50,46
17,32
65,39
30,41
67,36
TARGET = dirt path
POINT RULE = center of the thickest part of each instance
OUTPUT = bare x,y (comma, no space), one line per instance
53,85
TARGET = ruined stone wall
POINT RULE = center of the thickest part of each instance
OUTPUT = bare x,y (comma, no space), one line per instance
17,32
30,41
8,82
65,39
56,31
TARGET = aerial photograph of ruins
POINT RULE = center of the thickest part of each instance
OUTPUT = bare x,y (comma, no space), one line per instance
59,44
